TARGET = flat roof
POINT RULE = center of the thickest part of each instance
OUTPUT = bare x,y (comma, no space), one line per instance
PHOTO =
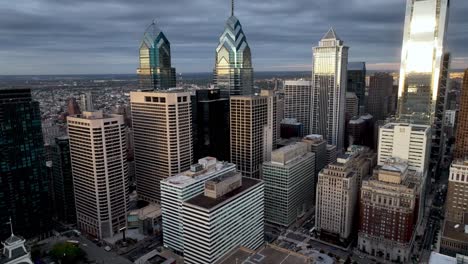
414,127
208,203
437,258
455,231
188,177
266,255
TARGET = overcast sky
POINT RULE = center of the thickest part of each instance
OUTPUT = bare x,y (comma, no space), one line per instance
103,36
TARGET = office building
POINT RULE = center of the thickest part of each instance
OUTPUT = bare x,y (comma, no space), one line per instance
451,118
379,96
72,107
289,184
100,172
233,72
179,188
162,134
357,81
155,71
352,106
337,193
272,133
297,102
360,131
87,102
228,214
317,145
62,181
332,154
329,89
249,131
389,211
461,138
291,128
454,239
409,142
210,124
457,194
24,184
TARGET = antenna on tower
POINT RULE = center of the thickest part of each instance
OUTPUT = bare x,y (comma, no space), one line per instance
11,226
232,7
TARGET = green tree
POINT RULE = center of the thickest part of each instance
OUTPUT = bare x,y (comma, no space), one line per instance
67,253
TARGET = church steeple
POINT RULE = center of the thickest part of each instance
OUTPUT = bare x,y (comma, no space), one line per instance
14,251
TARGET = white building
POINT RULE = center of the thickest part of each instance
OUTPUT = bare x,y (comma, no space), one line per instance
87,102
162,133
100,172
329,79
289,184
408,142
297,101
181,187
229,214
450,117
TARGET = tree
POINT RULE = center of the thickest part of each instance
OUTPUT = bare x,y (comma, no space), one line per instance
67,253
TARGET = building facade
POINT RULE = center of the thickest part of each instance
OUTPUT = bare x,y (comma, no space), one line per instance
457,194
379,96
233,72
87,102
249,130
179,188
24,186
389,203
155,70
210,124
100,172
329,89
461,139
297,102
162,137
357,81
289,184
228,214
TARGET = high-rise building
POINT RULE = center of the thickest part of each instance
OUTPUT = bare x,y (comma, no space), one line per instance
357,81
352,106
233,72
87,102
179,188
360,131
408,142
23,178
317,145
210,124
461,139
155,70
100,172
272,133
72,107
379,95
289,184
62,181
297,102
291,128
162,134
249,130
329,89
389,203
227,215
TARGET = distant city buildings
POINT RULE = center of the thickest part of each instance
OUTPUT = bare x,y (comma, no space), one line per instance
297,102
329,89
233,72
228,214
357,81
155,71
461,138
162,133
389,203
72,107
179,188
289,184
87,102
100,172
24,186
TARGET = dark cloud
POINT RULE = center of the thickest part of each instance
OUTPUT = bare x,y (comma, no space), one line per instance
102,36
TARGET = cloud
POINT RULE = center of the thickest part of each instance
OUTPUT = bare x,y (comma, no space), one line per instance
102,36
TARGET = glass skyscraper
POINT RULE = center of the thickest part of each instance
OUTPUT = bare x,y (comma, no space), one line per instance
155,71
233,73
23,177
422,59
329,89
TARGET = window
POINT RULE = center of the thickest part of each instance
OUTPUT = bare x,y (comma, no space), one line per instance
147,99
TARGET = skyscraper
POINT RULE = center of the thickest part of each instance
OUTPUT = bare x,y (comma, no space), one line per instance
87,102
379,97
162,134
357,80
155,70
210,123
422,59
329,89
72,107
23,178
249,130
233,72
297,96
461,139
100,172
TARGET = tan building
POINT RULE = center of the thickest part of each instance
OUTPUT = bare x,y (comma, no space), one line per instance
275,115
388,216
162,130
297,102
461,139
100,172
249,131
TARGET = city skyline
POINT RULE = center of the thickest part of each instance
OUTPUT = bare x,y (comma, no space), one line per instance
271,25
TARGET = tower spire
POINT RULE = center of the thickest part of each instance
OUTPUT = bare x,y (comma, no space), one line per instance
11,226
232,7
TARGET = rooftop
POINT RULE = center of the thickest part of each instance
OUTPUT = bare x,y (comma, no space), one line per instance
267,255
209,203
414,127
456,231
437,258
356,66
